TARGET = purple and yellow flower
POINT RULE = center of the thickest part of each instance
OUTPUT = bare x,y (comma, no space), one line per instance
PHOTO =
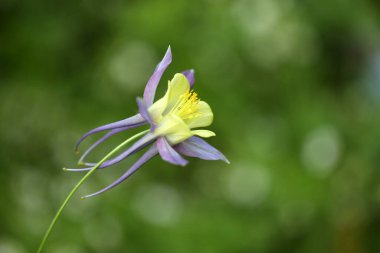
175,126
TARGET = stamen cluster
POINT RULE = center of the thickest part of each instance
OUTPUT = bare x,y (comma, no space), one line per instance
187,105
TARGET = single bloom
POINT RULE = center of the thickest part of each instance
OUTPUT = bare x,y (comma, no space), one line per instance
176,121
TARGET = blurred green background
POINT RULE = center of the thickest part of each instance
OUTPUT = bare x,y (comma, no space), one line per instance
295,88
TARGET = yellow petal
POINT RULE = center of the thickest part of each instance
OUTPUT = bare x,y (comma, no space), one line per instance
203,133
157,109
173,128
177,87
203,116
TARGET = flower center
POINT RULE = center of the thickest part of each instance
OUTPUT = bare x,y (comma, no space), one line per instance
186,106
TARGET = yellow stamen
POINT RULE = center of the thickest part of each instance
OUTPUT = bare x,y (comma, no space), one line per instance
186,106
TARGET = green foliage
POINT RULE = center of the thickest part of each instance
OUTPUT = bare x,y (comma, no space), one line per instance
295,89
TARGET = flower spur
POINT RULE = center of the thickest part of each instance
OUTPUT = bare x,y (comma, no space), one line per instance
172,121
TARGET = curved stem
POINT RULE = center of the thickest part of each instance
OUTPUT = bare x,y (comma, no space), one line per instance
58,214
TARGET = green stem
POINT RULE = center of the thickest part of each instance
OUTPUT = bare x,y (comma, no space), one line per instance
58,214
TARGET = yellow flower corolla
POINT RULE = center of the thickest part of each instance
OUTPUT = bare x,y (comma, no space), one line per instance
180,111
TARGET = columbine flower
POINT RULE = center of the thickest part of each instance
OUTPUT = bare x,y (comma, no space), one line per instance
174,121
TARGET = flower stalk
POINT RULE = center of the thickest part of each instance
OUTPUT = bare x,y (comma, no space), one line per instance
76,187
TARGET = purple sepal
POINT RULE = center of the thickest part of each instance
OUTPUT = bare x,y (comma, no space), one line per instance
168,153
145,113
152,151
197,147
190,76
138,145
151,86
104,138
130,122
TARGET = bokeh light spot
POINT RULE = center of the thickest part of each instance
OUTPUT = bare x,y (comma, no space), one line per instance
247,185
158,204
321,150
